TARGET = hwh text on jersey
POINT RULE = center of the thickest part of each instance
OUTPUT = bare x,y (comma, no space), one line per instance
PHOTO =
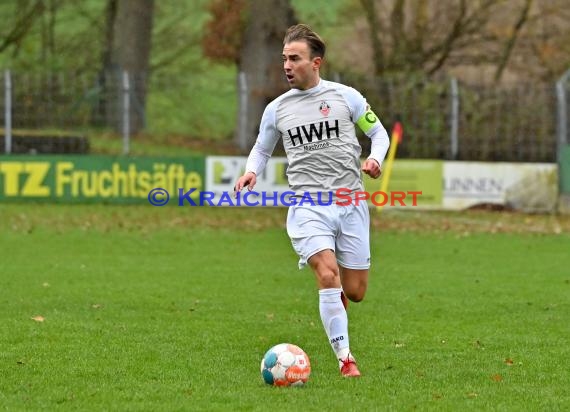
312,131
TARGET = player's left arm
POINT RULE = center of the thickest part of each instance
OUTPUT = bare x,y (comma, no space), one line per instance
363,116
369,123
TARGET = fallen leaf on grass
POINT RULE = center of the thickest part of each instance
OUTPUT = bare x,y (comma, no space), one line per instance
478,344
38,318
509,362
497,378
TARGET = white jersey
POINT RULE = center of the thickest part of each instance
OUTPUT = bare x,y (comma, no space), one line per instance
317,127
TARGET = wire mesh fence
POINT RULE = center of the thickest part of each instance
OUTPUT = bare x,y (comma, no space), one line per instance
443,119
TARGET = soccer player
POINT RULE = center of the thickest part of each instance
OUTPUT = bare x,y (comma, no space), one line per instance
316,121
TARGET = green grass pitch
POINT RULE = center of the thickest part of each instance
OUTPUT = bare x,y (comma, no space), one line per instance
142,308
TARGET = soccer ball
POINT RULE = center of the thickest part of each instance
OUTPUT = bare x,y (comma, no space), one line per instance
285,365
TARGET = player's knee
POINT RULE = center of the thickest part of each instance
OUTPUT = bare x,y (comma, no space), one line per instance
356,291
355,295
328,277
326,270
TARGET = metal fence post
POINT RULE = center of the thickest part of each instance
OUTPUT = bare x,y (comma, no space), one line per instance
242,115
126,112
562,106
7,112
454,118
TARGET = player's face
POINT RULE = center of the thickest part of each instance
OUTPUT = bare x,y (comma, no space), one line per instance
301,70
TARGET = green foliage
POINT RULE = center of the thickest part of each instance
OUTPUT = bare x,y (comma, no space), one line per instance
149,309
187,94
77,37
199,106
320,14
177,34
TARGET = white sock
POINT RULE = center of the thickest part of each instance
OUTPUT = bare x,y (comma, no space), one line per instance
335,321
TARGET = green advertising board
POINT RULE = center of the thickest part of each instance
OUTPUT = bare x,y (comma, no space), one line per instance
96,179
409,177
564,170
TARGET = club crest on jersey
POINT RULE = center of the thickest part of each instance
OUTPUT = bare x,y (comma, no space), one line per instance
324,108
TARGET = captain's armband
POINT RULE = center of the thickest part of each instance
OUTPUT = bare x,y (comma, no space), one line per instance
368,120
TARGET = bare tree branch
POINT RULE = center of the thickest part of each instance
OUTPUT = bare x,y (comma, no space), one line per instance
399,41
512,40
465,26
416,43
22,26
452,36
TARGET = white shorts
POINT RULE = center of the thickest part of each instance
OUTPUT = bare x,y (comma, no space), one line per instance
343,229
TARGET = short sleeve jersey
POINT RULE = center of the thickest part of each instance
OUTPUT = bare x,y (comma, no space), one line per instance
317,127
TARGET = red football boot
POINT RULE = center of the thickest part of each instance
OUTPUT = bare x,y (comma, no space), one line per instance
349,368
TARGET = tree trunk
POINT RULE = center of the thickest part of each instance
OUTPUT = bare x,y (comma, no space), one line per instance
261,77
375,27
128,44
133,33
105,113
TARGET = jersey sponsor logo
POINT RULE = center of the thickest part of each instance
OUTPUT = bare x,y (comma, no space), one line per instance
316,146
324,108
301,135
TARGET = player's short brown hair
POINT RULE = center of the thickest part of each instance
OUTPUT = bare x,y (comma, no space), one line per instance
302,32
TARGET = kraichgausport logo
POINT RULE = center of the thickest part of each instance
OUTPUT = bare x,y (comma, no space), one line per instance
340,197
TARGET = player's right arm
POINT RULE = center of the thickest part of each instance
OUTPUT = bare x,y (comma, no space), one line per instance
262,150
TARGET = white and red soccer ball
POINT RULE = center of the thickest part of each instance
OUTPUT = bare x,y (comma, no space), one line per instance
285,365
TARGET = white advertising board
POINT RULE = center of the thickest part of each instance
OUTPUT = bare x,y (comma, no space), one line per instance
222,173
520,186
